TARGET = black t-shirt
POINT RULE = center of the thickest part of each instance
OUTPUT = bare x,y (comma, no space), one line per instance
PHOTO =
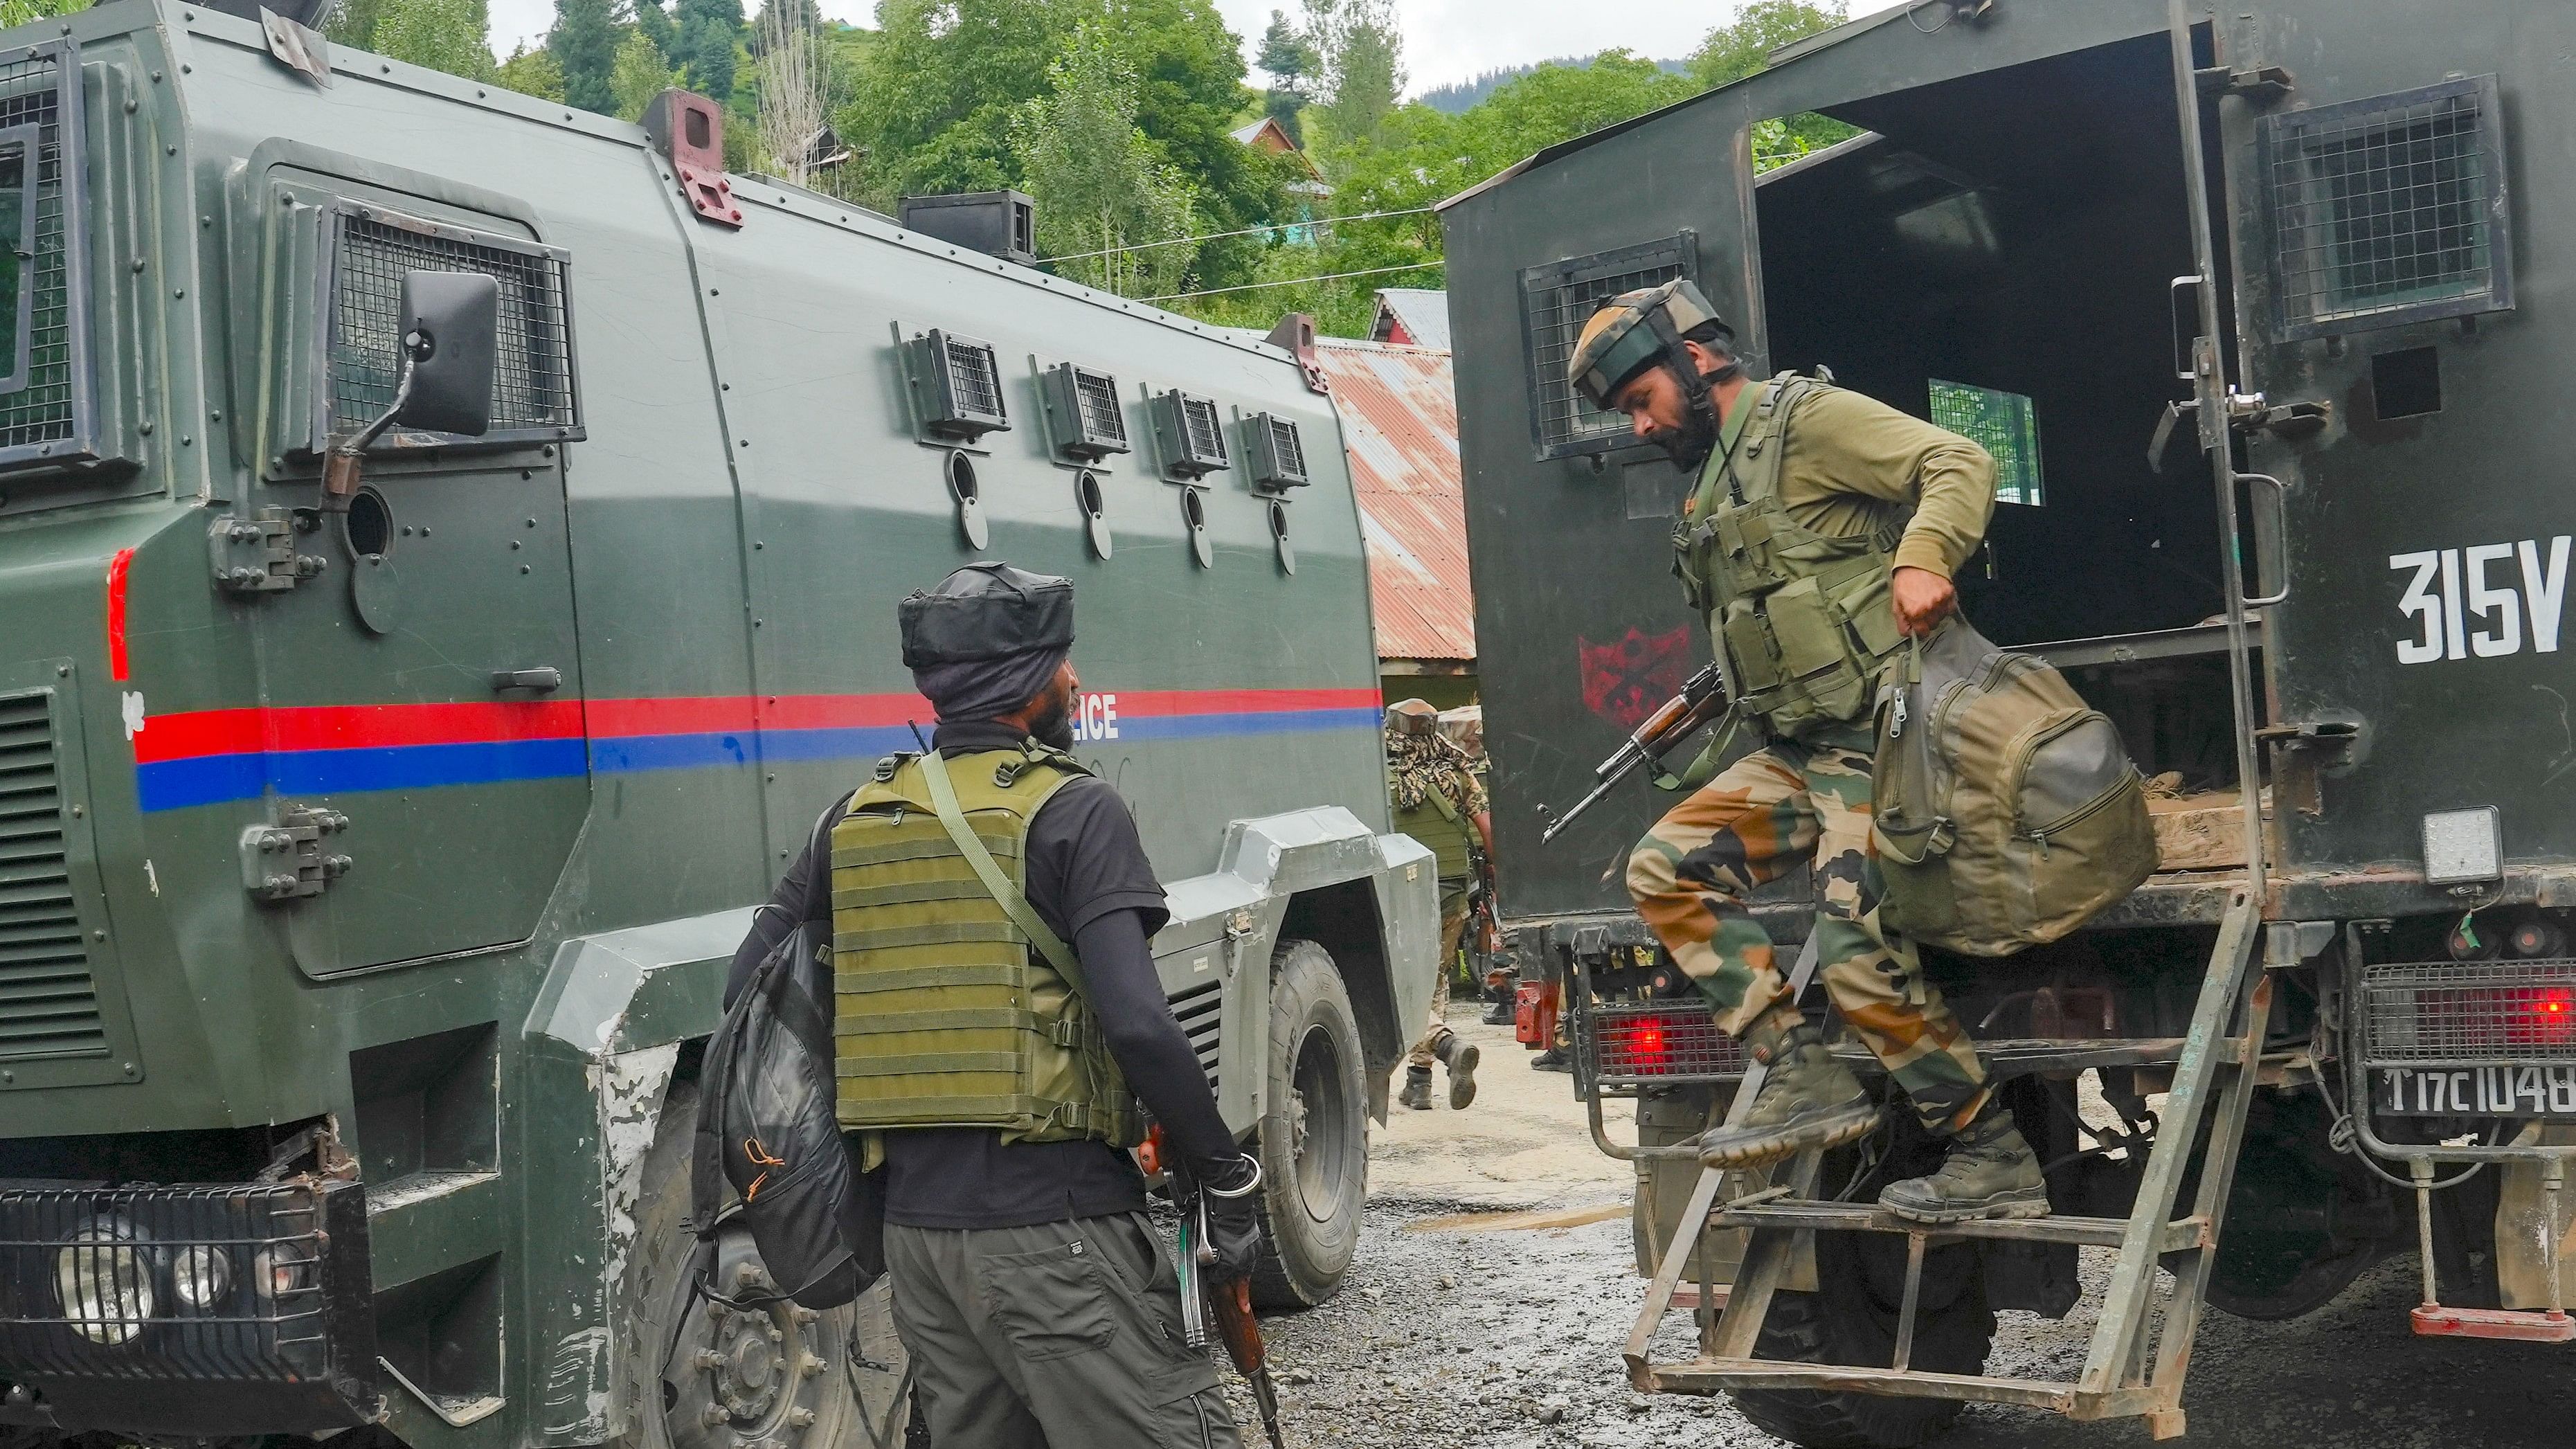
1084,860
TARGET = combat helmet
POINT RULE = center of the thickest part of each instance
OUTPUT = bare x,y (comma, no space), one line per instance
1412,717
1636,330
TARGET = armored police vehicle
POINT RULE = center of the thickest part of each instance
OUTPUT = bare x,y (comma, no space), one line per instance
375,825
2263,310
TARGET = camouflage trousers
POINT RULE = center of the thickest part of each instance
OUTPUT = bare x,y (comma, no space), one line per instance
1783,806
1453,926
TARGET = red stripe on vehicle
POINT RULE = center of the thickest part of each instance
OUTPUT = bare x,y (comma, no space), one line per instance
116,571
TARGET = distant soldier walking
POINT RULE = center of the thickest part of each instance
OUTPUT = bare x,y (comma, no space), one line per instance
1438,800
1824,529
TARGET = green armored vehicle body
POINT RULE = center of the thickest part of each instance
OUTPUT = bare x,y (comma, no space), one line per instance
2259,309
370,859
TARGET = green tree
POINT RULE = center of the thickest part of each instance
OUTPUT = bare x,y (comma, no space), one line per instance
1422,155
638,74
352,22
943,80
1736,50
1099,183
448,35
654,23
1362,50
584,43
534,73
1289,59
708,45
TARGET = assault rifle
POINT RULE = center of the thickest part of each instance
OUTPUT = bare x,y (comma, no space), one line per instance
1703,698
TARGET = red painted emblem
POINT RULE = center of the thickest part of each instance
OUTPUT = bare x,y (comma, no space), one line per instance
1625,680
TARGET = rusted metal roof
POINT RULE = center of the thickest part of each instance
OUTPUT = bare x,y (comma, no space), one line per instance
1400,425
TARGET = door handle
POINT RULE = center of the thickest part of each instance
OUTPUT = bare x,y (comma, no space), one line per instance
2280,537
541,681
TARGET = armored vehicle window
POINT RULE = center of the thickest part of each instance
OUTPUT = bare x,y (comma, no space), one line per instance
1192,440
1082,407
43,351
2384,210
1278,454
532,392
957,383
2003,424
1556,300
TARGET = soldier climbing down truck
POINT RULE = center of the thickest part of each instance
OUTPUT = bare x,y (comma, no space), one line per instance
2323,238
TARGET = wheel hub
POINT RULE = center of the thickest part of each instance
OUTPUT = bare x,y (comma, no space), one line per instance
750,1377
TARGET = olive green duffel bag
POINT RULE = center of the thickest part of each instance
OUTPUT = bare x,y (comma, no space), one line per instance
2006,812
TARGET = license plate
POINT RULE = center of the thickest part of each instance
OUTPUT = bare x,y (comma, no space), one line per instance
2497,1089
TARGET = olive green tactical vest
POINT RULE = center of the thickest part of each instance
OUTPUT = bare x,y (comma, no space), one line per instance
1805,620
1436,823
944,1013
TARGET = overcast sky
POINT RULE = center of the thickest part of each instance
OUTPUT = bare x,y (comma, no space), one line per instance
1444,40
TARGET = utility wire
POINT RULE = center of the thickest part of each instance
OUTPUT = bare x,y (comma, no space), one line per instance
1293,281
1247,231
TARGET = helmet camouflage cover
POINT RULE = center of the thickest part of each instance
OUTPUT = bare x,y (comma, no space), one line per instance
1632,332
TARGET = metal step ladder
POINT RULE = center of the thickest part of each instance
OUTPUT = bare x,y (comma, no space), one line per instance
2141,1345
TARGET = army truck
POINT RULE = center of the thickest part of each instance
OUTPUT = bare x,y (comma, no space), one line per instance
371,851
2316,242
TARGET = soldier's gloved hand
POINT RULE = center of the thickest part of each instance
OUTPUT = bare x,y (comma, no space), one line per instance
1232,1192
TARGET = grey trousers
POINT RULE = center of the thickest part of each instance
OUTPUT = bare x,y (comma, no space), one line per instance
1065,1335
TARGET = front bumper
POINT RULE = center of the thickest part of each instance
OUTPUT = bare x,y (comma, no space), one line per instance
95,1335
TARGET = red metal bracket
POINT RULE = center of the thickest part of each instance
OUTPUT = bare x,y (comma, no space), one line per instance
688,129
2432,1320
1296,334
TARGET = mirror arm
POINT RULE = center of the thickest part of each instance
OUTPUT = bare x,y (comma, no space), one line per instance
340,469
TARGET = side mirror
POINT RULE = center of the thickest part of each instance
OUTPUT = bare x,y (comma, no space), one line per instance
451,329
451,336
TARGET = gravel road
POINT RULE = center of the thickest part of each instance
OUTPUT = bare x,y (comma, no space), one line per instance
1461,1325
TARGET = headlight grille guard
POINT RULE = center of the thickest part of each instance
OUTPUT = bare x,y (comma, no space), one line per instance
309,1341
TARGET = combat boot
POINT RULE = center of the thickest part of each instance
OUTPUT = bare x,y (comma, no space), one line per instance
1990,1173
1807,1099
1459,1055
1417,1089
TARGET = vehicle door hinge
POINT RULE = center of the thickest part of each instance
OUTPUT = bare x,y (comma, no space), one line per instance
257,555
2261,84
286,860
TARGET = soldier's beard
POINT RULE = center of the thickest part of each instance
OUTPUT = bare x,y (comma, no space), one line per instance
1053,725
1690,444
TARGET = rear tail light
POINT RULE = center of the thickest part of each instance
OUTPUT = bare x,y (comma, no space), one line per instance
1658,1043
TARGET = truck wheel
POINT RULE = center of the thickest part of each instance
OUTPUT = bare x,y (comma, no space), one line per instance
780,1378
1313,1137
1853,1321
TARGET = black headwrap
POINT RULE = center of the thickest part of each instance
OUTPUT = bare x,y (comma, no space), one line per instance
987,639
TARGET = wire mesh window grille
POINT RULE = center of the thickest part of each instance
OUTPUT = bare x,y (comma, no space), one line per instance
48,1000
1556,300
1096,395
532,388
1206,439
39,402
1286,450
2388,210
2457,1014
974,377
2002,423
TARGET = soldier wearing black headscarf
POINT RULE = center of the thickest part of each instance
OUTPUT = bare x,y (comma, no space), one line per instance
1038,1304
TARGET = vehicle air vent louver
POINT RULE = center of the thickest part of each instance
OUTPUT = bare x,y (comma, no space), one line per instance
957,384
1277,454
1083,407
1191,437
532,390
48,1000
1201,1012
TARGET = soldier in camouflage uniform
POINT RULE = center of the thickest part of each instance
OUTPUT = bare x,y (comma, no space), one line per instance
1439,801
1823,530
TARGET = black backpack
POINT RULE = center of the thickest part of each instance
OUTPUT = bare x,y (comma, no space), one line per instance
766,1129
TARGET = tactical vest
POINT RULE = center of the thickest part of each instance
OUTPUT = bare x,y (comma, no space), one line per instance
945,1014
1805,620
1436,823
